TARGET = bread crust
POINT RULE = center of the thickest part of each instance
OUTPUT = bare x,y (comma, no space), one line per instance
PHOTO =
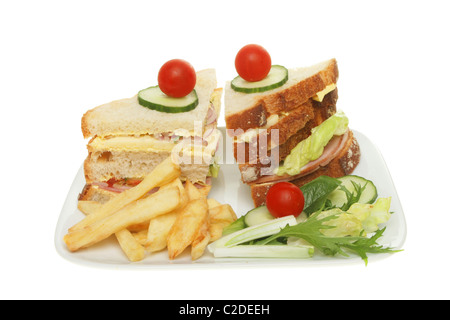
283,101
253,118
343,164
84,124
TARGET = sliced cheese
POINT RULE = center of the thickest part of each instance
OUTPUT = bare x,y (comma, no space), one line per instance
148,143
321,94
130,143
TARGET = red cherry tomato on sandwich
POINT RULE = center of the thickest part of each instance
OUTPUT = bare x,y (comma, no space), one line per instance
177,78
285,199
253,63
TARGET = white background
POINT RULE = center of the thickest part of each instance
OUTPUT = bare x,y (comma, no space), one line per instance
61,58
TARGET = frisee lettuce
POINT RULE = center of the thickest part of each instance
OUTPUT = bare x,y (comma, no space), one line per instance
311,232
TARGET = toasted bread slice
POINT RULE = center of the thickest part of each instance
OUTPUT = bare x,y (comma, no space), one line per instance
246,111
343,164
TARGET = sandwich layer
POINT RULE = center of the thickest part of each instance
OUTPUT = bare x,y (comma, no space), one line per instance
136,165
246,111
128,117
344,162
292,129
331,150
134,157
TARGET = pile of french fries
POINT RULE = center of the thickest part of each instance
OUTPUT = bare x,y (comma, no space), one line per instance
174,217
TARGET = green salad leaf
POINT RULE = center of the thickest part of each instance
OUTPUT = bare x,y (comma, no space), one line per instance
313,229
371,215
237,225
316,193
345,224
312,147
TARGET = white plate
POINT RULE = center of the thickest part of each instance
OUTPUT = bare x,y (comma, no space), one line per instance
228,188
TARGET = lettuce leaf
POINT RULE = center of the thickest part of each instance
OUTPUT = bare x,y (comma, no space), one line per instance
372,215
344,224
312,147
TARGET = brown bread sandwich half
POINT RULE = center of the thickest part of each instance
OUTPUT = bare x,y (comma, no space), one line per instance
286,127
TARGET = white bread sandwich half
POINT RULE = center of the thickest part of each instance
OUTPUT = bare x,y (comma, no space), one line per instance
128,140
283,134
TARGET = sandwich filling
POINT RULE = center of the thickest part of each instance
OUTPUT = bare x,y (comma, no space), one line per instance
313,147
325,142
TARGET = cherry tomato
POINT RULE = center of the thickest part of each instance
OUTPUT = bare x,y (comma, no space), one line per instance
253,62
177,78
285,199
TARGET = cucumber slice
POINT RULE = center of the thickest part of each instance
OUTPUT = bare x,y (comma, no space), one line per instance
278,75
369,194
257,216
153,98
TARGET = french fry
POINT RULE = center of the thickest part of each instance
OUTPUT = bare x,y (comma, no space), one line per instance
159,203
130,246
186,227
221,213
177,183
212,203
192,191
140,236
203,236
90,207
143,226
158,231
159,227
165,172
204,190
201,240
220,217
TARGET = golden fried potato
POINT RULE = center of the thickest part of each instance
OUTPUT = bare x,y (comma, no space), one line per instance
205,189
140,236
201,240
212,203
130,246
192,191
145,209
88,207
187,226
220,217
158,231
177,183
223,212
